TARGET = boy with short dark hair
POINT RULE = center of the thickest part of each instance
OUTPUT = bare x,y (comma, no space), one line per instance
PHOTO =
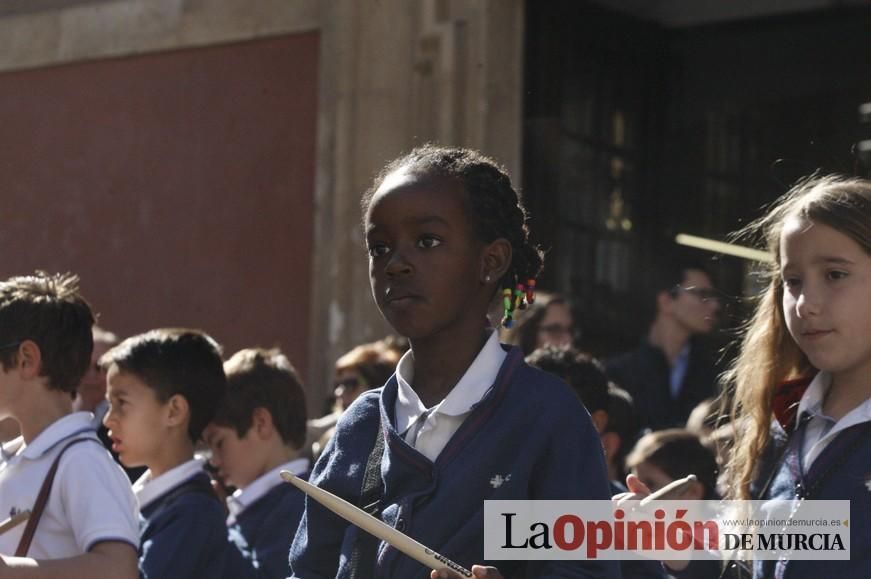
88,527
163,388
583,373
259,430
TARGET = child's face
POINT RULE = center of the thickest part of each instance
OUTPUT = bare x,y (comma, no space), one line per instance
7,376
137,420
425,264
826,296
237,459
556,326
15,379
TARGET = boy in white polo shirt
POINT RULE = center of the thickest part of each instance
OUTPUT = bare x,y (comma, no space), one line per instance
88,527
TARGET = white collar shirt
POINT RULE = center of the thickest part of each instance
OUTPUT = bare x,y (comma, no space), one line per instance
147,489
429,429
54,433
90,500
244,498
822,429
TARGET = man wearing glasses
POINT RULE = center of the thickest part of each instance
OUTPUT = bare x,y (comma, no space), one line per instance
669,373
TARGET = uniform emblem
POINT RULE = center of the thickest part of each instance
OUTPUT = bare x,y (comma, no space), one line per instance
498,480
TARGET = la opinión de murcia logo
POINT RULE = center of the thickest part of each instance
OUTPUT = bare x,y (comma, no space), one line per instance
666,530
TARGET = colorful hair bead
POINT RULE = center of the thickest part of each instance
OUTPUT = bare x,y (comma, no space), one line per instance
506,299
518,297
507,306
530,291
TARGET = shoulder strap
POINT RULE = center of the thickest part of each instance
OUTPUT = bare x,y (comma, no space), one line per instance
362,560
42,500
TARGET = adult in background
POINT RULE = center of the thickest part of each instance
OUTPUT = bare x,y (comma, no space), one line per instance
365,367
548,321
670,372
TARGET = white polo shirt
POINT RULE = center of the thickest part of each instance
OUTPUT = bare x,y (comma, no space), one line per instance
90,500
429,429
822,429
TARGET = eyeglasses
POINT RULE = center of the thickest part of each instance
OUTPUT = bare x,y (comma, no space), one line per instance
10,345
556,329
703,293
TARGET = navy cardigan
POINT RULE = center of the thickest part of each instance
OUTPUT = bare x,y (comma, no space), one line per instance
841,471
262,534
183,533
528,438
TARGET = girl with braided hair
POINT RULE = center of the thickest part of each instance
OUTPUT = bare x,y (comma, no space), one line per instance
463,419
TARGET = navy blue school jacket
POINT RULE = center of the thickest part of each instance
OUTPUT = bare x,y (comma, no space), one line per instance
841,471
183,533
529,438
263,532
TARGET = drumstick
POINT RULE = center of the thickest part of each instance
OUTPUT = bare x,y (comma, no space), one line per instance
672,488
376,527
14,521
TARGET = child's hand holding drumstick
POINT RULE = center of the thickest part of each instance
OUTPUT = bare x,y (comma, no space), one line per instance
478,572
638,491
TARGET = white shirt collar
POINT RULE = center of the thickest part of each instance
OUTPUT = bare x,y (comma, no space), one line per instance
61,429
812,400
244,498
812,403
147,488
471,388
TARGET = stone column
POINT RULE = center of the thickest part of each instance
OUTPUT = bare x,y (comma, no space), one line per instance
396,74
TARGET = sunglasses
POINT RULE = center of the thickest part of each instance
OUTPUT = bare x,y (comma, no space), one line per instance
350,383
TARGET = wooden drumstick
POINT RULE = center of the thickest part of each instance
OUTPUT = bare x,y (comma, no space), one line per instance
669,490
376,527
14,521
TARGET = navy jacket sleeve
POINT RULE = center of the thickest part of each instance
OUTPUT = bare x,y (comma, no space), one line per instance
317,546
572,468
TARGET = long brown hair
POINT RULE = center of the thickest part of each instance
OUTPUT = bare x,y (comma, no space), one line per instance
769,355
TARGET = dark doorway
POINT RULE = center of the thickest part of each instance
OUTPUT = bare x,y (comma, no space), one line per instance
635,132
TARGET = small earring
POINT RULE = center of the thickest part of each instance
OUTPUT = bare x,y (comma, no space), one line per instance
487,278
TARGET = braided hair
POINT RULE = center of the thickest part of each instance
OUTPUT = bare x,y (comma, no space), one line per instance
494,206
